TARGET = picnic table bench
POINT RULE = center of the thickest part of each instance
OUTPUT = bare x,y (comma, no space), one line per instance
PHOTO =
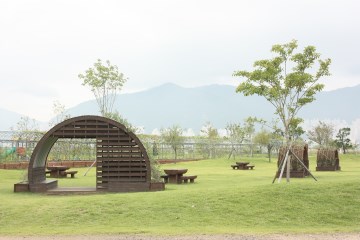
191,178
165,177
251,167
176,176
60,172
235,166
72,173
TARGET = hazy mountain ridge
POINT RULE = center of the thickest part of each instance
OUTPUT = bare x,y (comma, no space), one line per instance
8,119
170,104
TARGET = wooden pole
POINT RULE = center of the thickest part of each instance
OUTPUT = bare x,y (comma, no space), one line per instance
288,167
283,166
90,168
280,165
304,167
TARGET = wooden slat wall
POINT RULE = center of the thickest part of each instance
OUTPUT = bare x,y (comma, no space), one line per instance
119,162
119,158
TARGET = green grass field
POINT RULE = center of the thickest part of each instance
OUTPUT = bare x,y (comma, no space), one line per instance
221,201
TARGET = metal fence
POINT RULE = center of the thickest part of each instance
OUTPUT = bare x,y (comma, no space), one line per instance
15,149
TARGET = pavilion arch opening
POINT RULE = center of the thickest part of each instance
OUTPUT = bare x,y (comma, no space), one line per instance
79,154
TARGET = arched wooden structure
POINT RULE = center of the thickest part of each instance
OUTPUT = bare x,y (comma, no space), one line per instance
122,163
296,169
327,160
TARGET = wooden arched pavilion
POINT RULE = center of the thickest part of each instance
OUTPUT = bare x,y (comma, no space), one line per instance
122,163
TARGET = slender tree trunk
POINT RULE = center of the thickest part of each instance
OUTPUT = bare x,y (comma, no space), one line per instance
269,152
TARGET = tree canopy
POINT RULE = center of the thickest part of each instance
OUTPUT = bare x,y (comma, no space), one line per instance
342,139
173,136
288,81
322,134
105,81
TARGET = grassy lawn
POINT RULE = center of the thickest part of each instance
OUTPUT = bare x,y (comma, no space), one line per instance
221,201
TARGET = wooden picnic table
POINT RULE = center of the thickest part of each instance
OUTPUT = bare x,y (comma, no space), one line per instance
174,175
58,171
242,166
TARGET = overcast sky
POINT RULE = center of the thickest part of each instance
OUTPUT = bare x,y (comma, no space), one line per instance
44,45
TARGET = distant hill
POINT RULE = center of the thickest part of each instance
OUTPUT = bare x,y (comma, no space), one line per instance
338,104
171,104
8,119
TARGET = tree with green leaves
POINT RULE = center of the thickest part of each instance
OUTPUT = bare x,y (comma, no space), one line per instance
342,139
268,139
249,128
288,81
322,134
105,81
211,135
173,136
60,114
116,116
288,91
235,134
26,131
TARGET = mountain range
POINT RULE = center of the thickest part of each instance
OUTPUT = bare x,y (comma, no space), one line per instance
170,104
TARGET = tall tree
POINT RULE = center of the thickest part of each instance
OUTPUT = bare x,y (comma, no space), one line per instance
268,139
235,134
105,81
173,137
342,139
211,135
322,134
60,113
249,128
26,131
288,91
287,81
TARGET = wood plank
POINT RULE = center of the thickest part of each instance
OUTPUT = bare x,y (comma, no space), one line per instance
117,157
118,148
125,170
122,174
121,160
93,128
84,133
127,179
107,139
106,169
123,165
125,143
